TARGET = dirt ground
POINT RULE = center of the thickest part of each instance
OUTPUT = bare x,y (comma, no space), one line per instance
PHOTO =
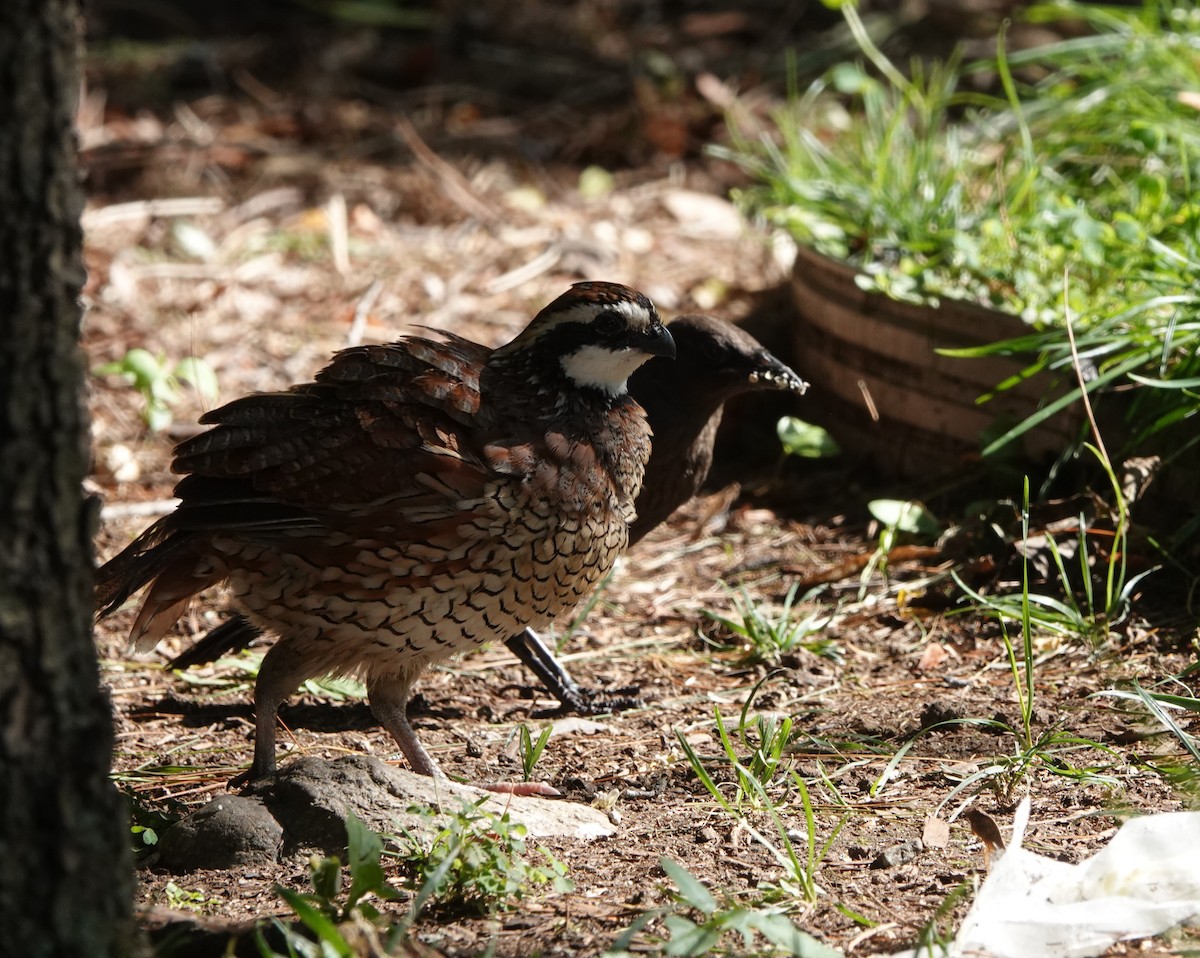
260,216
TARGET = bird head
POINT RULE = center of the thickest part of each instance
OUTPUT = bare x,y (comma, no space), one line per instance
596,334
728,359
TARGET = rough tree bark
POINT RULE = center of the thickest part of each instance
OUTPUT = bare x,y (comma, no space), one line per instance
65,879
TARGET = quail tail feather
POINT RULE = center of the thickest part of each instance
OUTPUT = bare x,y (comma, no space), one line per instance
139,562
162,556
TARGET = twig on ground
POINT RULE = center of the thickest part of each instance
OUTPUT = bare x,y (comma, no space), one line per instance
455,185
148,209
362,313
540,264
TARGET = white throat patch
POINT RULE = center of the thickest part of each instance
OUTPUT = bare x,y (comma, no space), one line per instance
602,368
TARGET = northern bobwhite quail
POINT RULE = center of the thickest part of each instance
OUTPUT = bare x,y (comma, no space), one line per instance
684,399
418,499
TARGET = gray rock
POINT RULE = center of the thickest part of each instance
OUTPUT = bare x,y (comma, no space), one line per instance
899,854
311,797
228,831
304,807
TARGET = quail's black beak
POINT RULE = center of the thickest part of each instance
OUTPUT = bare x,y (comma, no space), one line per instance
656,341
769,370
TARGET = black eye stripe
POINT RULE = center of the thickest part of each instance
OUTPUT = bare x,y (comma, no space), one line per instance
608,321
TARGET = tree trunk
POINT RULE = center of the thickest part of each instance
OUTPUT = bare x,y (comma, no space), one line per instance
66,877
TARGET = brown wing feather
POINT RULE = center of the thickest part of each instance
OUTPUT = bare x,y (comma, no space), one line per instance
382,425
372,423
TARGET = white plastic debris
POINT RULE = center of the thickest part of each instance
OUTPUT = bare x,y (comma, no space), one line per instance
1144,882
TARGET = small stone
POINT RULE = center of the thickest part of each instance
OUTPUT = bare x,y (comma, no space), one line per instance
898,854
228,831
122,463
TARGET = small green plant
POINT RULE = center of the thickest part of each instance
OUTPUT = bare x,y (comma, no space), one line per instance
766,746
531,751
330,907
1087,607
699,925
803,439
1047,749
474,863
897,517
799,871
146,822
1183,771
936,936
182,899
767,638
158,380
144,836
765,740
1096,611
1026,690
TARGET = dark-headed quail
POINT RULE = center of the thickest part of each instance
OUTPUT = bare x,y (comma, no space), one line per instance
419,499
683,399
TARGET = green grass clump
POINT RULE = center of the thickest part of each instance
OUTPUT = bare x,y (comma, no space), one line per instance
333,914
699,924
160,382
935,190
765,637
1065,195
471,861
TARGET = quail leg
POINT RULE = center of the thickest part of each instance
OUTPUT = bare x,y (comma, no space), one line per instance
388,696
389,702
283,668
236,633
574,698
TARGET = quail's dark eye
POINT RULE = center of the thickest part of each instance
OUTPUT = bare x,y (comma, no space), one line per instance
608,322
